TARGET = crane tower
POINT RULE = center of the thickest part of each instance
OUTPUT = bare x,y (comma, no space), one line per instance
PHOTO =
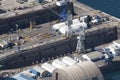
80,48
69,22
63,5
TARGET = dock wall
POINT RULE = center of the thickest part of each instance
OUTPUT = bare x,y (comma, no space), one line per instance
118,30
111,67
38,16
60,48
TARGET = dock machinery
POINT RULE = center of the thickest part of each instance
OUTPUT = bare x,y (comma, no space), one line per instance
63,5
80,48
67,16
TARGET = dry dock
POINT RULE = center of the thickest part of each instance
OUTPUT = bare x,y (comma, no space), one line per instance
40,13
43,48
56,46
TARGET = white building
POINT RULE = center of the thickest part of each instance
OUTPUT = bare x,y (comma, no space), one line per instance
43,72
48,67
69,61
58,64
63,28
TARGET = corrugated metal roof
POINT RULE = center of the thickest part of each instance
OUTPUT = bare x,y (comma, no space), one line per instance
58,64
68,60
39,69
43,73
21,76
28,73
48,67
81,71
94,55
75,26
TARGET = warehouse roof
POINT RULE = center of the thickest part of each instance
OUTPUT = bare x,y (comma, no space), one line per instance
86,70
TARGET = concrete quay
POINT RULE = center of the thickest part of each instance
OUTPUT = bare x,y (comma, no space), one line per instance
94,37
97,35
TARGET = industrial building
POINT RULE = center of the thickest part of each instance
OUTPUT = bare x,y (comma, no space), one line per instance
58,64
43,72
48,67
45,44
76,26
41,44
93,56
82,71
68,60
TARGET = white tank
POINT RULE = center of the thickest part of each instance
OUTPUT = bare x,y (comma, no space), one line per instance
48,67
69,61
58,64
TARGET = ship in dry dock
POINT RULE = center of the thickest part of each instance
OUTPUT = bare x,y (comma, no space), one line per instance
47,39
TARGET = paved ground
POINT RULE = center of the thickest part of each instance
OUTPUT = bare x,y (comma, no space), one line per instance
11,4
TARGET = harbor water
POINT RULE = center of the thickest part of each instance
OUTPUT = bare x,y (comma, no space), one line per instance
112,76
111,7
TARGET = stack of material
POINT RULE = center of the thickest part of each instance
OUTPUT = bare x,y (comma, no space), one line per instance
82,71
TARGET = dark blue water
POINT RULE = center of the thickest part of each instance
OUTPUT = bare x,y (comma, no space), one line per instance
112,76
109,6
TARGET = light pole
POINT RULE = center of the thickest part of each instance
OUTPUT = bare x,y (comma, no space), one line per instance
17,27
18,41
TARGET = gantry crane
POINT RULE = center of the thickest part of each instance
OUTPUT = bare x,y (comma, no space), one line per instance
80,48
63,5
69,23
